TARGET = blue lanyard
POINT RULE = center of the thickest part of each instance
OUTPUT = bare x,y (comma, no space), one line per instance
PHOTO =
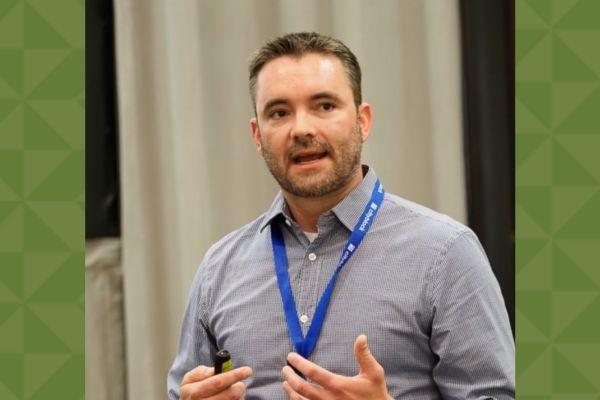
305,346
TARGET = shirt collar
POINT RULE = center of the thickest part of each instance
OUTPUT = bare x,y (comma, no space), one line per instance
348,211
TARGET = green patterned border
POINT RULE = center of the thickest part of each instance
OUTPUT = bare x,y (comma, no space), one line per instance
558,199
41,199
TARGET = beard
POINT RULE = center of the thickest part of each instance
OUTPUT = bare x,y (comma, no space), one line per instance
345,159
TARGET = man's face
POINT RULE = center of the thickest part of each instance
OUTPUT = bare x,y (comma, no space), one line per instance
308,128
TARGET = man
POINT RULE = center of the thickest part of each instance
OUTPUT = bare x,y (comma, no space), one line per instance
335,259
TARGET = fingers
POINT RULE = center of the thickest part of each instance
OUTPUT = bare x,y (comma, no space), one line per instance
199,373
311,370
228,382
299,386
368,364
235,391
292,394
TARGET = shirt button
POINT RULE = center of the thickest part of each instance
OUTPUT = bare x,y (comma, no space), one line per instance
312,256
304,318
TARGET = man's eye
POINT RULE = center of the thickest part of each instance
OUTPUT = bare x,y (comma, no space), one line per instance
277,114
327,106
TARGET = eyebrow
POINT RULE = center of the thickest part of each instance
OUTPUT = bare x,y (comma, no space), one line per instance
274,102
326,96
316,96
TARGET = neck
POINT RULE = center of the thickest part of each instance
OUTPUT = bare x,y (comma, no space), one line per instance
306,210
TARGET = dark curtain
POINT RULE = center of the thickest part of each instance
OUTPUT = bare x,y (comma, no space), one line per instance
488,89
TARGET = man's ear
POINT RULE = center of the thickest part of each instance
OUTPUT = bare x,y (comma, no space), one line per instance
365,118
256,134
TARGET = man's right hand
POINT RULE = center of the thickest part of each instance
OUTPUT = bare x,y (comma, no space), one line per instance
202,383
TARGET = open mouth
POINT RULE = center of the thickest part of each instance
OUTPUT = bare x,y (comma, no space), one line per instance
307,157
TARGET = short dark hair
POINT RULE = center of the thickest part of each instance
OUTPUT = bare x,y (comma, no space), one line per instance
299,44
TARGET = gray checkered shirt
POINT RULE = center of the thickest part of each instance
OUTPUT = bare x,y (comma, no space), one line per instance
419,286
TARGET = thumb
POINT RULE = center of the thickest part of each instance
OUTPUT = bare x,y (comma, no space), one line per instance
368,364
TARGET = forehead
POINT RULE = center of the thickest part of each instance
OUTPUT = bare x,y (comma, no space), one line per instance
288,77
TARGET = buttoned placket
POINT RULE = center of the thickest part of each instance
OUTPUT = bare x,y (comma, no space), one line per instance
308,288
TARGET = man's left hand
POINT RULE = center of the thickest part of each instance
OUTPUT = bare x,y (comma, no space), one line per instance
368,384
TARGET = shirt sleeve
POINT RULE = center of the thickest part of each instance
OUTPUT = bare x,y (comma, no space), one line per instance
470,334
195,344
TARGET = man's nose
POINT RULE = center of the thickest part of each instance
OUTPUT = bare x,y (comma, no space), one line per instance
303,125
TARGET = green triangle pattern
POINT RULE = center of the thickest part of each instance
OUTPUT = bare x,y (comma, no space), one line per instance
537,202
5,7
584,224
528,39
60,384
11,169
543,8
568,66
585,328
11,331
66,221
536,275
39,267
535,64
7,107
38,33
40,368
65,82
11,373
39,236
64,285
584,148
585,253
567,171
566,202
528,18
39,64
584,119
66,119
66,20
39,135
527,228
528,353
584,15
41,123
11,227
535,306
566,378
11,24
566,307
527,144
11,68
526,250
66,321
11,275
6,311
527,332
558,279
528,122
39,338
537,376
40,164
561,7
66,181
567,276
584,45
584,358
567,97
536,168
11,130
537,98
